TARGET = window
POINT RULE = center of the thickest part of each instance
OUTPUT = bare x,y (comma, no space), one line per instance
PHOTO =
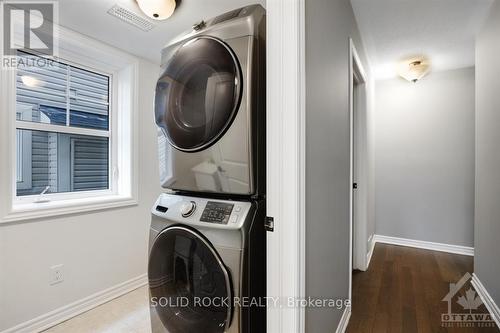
62,129
71,129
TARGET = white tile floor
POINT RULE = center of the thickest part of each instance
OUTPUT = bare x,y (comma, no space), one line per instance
126,314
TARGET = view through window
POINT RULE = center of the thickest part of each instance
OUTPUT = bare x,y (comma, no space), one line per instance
62,129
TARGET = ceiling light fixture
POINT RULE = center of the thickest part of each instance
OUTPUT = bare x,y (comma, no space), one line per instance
157,9
30,81
414,69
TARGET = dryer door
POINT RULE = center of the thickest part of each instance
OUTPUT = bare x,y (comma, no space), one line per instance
198,94
189,285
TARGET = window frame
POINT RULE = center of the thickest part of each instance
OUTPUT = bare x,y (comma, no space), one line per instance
75,130
122,68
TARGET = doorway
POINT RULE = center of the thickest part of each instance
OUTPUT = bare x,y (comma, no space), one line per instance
359,163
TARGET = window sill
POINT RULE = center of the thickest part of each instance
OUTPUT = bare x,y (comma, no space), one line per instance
30,211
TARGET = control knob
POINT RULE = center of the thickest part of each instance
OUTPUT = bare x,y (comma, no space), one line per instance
188,208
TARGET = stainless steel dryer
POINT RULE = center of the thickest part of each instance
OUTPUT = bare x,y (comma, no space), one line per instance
210,105
206,258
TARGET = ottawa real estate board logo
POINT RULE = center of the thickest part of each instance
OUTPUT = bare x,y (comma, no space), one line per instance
30,27
465,307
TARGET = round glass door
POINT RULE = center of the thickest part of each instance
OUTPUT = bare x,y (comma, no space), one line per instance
190,286
198,94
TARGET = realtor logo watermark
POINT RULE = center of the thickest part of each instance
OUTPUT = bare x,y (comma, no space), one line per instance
28,26
470,303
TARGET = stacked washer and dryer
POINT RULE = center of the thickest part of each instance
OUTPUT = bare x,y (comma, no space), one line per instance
207,251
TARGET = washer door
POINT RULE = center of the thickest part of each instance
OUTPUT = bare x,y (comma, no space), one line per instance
190,286
198,94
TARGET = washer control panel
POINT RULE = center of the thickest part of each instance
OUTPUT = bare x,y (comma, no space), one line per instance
220,214
217,212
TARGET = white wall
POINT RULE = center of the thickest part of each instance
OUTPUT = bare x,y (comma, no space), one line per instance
98,249
424,148
487,209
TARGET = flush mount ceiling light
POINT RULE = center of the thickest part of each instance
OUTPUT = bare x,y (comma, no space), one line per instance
157,9
30,81
414,69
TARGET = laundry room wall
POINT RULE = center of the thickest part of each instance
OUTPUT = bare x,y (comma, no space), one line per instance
487,209
99,250
329,25
425,158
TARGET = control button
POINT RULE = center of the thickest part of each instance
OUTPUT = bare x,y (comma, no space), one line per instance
237,209
234,218
188,208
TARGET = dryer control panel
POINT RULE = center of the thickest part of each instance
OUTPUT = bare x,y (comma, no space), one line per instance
219,214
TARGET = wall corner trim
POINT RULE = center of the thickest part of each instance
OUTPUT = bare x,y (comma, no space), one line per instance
344,320
286,160
449,248
71,310
487,299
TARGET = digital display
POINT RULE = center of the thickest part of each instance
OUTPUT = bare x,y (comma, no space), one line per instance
217,212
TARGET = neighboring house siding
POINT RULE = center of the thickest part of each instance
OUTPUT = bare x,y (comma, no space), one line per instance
87,169
51,92
52,161
89,164
39,158
39,163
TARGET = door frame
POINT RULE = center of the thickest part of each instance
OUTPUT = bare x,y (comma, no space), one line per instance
286,162
358,209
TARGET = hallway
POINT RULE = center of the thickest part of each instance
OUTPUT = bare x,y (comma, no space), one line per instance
402,291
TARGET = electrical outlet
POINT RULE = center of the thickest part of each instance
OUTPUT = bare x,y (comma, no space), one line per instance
56,274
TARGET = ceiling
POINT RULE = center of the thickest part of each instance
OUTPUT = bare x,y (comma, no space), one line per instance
442,30
90,17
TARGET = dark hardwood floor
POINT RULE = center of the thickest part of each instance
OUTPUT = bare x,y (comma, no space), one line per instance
402,292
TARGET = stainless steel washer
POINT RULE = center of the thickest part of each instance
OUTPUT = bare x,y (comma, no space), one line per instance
205,258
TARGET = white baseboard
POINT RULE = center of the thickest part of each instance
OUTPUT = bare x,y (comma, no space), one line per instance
456,249
66,312
372,242
344,320
487,300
